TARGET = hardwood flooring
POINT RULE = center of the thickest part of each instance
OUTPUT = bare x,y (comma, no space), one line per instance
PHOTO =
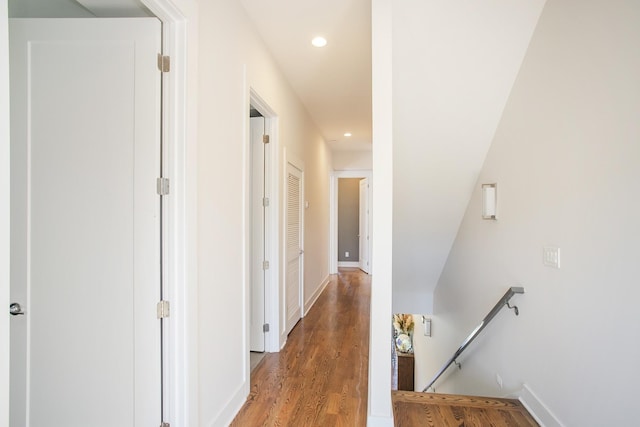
320,377
431,409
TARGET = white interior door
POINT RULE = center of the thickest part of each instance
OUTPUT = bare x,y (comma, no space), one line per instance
85,252
294,249
257,273
363,232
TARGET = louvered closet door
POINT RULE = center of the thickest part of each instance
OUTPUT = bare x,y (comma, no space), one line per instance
293,294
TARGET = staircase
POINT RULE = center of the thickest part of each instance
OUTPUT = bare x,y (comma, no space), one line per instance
411,408
432,409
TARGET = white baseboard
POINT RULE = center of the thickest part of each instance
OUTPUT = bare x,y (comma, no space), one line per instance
314,297
352,264
373,421
232,407
537,409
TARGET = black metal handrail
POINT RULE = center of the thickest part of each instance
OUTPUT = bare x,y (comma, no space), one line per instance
472,336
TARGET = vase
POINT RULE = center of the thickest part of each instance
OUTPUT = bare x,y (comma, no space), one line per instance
404,341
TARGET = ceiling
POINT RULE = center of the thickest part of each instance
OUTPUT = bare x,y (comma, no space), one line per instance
333,82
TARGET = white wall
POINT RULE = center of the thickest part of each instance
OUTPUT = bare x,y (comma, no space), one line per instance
566,158
318,167
229,48
4,214
379,404
454,63
352,160
220,46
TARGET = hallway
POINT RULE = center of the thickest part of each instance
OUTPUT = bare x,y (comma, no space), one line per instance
320,376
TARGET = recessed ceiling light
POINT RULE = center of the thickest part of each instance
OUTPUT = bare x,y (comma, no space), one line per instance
347,134
319,41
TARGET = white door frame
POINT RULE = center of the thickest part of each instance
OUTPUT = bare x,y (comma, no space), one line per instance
271,293
180,361
181,386
333,217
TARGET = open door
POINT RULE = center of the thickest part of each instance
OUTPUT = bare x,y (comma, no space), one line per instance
363,226
258,249
85,220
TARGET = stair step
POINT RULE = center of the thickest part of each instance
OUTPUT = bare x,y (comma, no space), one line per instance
435,409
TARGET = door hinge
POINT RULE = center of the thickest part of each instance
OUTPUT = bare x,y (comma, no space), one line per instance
164,63
162,185
265,265
265,139
265,202
165,425
163,309
265,327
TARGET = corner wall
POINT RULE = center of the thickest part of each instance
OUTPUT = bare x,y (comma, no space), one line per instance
379,411
566,157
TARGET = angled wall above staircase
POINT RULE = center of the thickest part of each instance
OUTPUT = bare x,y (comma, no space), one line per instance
566,157
454,64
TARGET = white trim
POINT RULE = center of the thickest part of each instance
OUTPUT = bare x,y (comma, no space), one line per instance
231,408
538,410
313,298
379,421
5,227
181,404
349,264
333,215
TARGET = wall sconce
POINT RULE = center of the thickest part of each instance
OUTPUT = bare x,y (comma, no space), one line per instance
427,326
489,201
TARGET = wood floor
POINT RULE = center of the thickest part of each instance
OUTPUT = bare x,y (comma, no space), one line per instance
431,409
320,377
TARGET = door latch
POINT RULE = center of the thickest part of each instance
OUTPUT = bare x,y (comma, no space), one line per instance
15,309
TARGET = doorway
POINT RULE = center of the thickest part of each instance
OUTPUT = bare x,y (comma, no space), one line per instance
351,241
261,226
177,406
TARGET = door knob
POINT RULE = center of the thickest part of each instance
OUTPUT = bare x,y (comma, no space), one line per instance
15,309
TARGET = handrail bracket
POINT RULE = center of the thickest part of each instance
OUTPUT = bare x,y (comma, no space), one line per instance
513,307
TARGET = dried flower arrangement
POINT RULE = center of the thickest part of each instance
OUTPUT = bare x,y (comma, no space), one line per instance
403,323
403,326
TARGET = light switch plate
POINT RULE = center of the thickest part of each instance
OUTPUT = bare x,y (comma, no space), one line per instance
427,326
551,256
